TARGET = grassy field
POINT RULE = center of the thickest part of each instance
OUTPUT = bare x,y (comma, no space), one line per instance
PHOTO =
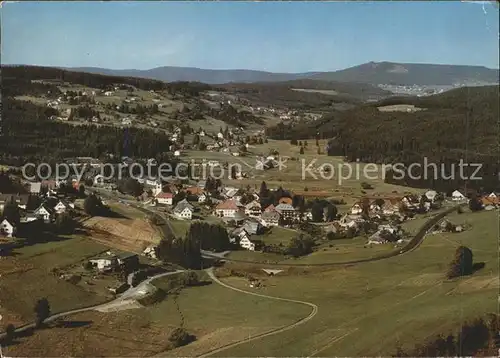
144,331
364,310
27,275
344,182
327,252
329,92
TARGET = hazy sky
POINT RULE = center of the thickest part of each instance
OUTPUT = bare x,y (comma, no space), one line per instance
277,36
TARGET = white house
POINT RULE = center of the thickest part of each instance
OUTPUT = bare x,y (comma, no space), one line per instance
62,207
227,209
7,229
177,153
253,209
164,198
108,93
105,263
184,210
44,212
247,244
457,196
202,198
356,209
431,195
270,218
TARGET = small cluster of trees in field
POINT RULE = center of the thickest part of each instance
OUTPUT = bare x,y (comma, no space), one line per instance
42,312
478,338
186,251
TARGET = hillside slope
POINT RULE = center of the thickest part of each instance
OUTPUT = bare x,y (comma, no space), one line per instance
412,74
372,73
457,125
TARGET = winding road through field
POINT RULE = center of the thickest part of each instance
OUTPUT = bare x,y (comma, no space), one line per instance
128,295
313,313
410,246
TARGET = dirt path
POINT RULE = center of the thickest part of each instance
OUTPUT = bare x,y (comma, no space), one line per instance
267,333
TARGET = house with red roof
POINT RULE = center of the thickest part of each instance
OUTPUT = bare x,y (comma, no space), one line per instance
164,198
228,209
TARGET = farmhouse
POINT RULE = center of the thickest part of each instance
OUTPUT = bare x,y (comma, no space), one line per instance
227,209
184,210
286,211
104,264
431,195
44,212
202,198
457,196
357,208
62,207
270,218
164,198
253,209
7,229
247,244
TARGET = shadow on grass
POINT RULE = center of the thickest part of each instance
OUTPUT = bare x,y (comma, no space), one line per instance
72,324
115,215
477,266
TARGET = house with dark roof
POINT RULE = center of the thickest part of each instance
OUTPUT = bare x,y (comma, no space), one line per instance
45,212
184,210
286,211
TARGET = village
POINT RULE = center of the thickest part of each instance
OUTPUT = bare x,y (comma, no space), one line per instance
245,212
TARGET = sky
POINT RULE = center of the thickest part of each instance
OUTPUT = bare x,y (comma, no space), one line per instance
269,36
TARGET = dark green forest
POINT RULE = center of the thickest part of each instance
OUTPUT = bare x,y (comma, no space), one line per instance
455,125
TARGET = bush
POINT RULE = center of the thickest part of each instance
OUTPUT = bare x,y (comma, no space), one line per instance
180,337
462,263
157,296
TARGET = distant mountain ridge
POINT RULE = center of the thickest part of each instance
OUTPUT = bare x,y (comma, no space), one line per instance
371,73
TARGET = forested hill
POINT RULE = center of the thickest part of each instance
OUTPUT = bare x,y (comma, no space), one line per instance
17,80
29,136
447,124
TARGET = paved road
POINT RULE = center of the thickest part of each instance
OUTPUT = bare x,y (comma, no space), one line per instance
410,246
313,313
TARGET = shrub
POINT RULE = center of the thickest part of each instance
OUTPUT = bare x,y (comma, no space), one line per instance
462,263
180,337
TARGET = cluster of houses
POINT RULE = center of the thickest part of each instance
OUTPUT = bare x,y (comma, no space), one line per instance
51,205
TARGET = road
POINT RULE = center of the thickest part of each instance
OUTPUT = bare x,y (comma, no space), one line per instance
410,246
132,292
314,311
125,298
